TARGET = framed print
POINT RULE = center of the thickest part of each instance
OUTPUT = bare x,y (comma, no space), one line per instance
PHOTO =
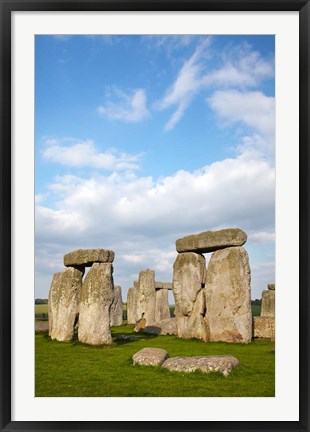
154,204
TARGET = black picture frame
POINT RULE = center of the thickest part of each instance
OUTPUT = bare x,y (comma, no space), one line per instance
6,9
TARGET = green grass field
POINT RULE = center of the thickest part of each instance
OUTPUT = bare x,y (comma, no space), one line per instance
74,369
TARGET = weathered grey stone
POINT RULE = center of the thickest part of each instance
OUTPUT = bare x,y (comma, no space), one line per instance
197,325
168,327
163,285
189,277
145,296
96,299
63,303
150,357
152,329
216,363
264,327
268,303
116,311
127,337
162,311
228,296
131,306
86,257
210,241
271,286
53,300
165,327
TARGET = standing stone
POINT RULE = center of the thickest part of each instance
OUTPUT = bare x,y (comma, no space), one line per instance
96,299
131,306
264,325
145,296
116,312
64,300
162,311
268,303
210,241
228,296
53,300
189,277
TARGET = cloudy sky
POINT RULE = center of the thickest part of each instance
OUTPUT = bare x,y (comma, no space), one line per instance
140,140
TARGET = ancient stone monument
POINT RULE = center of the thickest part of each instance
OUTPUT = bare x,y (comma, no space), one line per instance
148,297
213,304
264,325
87,303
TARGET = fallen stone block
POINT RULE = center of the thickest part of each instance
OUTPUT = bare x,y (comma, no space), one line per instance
127,337
216,363
150,357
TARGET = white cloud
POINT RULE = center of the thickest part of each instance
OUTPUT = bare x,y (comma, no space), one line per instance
241,68
75,153
263,236
140,218
128,107
262,273
169,43
187,83
253,111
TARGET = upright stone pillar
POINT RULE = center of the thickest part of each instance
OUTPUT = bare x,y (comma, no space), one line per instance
96,298
116,312
145,296
228,296
53,301
189,277
162,310
63,303
131,306
264,325
268,303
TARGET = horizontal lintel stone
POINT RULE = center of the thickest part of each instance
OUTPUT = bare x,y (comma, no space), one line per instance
210,241
86,257
163,285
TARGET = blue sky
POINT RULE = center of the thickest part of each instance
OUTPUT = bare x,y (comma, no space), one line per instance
140,140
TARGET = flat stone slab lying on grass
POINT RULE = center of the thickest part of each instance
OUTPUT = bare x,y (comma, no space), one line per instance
210,241
86,257
127,337
216,363
150,357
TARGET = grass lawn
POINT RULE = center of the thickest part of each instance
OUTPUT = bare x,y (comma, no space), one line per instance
74,369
